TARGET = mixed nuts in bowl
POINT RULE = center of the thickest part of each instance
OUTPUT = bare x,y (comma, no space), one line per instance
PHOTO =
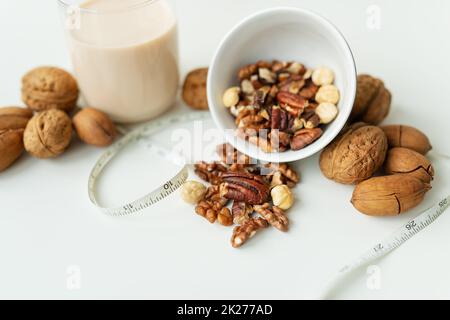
271,49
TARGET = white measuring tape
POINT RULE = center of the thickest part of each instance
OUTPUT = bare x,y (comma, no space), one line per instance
394,241
140,134
170,186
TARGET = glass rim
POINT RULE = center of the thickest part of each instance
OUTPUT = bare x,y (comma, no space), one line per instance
129,7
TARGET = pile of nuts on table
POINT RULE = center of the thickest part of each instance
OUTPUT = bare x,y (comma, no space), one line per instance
386,163
282,105
45,128
239,189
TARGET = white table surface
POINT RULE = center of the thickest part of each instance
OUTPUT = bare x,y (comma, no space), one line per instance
50,233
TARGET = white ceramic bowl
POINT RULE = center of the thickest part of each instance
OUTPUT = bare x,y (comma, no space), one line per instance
288,34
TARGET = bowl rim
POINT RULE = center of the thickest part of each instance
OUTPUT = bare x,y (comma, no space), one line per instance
314,147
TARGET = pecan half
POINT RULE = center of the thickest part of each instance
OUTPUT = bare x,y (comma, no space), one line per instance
292,100
275,216
259,99
293,86
247,71
224,217
279,140
231,156
279,66
211,205
288,175
243,186
309,91
279,119
241,212
255,121
310,119
305,137
210,172
242,233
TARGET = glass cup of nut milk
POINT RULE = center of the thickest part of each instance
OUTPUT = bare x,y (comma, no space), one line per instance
124,55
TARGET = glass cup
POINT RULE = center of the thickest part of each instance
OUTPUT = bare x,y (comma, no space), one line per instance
124,55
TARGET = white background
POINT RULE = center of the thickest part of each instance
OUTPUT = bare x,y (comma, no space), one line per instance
47,224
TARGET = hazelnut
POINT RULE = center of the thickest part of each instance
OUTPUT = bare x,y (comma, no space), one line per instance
49,88
48,134
231,97
192,192
94,127
282,197
322,76
327,112
328,93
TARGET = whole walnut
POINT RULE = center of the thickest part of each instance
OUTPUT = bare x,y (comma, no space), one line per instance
48,134
372,102
94,127
355,155
13,121
49,88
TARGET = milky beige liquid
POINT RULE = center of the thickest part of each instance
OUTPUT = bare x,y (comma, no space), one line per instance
125,58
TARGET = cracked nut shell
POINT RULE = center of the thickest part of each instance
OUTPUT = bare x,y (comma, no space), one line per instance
49,88
48,134
94,127
407,161
355,155
390,195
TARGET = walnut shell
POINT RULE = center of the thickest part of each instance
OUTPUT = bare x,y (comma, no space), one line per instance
14,118
372,102
390,195
407,137
407,161
355,155
48,134
11,147
94,127
49,88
